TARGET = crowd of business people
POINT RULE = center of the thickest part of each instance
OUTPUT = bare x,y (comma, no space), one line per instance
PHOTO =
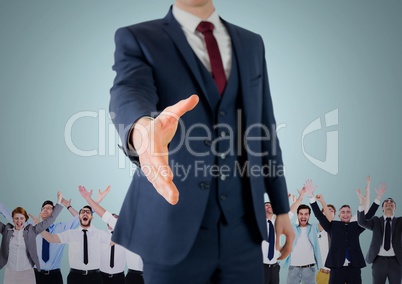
214,234
330,251
31,251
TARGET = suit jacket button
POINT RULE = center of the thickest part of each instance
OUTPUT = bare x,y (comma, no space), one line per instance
204,185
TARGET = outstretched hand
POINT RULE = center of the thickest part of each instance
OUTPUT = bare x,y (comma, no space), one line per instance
35,220
102,194
310,187
59,197
362,198
84,192
151,138
381,190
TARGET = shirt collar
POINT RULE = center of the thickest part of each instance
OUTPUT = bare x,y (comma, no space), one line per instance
190,22
385,217
88,229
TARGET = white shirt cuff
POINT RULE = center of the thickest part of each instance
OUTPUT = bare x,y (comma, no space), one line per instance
109,219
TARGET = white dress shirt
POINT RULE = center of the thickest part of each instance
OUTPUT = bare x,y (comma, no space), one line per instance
17,258
265,246
189,24
75,240
134,261
119,258
382,251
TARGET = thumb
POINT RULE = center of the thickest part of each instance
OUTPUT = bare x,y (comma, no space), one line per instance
181,107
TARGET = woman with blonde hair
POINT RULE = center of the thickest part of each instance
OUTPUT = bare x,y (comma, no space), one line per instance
18,246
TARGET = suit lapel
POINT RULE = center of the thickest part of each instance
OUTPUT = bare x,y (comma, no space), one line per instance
393,225
240,50
175,32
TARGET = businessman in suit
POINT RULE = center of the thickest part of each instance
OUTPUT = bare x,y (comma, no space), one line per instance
385,252
217,149
345,257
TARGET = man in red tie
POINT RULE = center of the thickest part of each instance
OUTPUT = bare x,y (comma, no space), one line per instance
217,150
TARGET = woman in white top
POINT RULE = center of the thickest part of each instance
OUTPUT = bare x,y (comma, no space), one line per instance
18,246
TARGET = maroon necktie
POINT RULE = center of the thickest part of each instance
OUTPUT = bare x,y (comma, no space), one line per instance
218,73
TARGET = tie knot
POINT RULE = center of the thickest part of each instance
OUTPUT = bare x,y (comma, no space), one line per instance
205,27
85,231
388,219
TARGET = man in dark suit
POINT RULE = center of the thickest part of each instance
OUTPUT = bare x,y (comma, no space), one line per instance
385,252
345,257
221,156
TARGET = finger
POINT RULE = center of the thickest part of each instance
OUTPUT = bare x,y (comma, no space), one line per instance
165,188
183,106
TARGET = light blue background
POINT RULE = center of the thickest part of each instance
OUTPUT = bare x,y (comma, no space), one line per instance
55,63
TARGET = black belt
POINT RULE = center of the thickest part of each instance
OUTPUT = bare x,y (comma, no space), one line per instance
134,271
271,265
48,272
386,257
112,275
84,272
305,266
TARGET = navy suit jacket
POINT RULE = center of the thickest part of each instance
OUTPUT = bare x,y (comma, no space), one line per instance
343,235
376,224
155,68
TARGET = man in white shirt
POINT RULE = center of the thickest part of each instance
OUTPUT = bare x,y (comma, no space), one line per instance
133,260
113,261
270,259
305,258
84,249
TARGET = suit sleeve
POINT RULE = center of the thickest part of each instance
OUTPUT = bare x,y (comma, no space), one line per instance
369,215
372,210
321,217
276,183
363,222
41,226
133,94
6,212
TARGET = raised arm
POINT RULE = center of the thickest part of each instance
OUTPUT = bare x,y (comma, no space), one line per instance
87,196
367,201
325,210
374,206
298,201
67,204
324,222
102,194
41,226
51,238
6,213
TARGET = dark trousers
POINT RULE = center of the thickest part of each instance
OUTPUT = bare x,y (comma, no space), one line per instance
134,277
271,273
117,278
385,267
48,277
78,278
345,274
224,254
